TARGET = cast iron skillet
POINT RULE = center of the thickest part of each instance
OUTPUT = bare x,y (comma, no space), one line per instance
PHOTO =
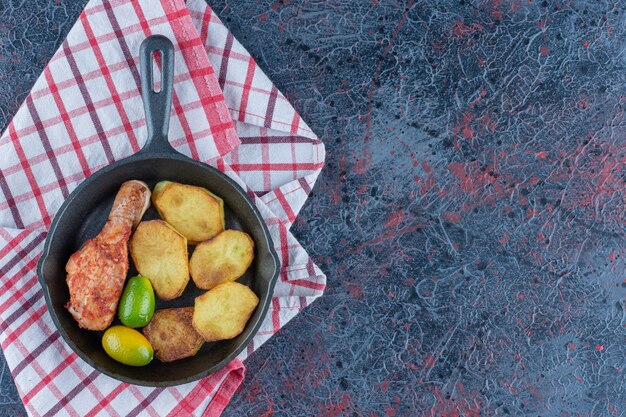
85,211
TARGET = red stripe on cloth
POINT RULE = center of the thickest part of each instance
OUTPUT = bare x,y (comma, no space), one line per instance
283,250
234,156
201,72
228,46
67,122
285,205
310,267
250,193
294,160
226,391
109,81
274,121
255,140
252,88
275,314
297,269
206,19
295,124
29,407
216,50
199,62
273,221
288,192
174,12
145,26
301,166
305,185
308,284
271,104
220,164
246,90
265,161
29,175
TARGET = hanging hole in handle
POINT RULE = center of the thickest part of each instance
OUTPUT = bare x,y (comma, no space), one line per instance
157,78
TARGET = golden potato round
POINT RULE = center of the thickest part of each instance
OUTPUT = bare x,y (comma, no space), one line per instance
222,313
171,334
160,254
224,258
194,212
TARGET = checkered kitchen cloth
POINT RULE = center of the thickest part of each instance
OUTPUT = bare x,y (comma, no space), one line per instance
84,112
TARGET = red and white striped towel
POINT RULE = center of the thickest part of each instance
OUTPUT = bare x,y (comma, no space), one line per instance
84,112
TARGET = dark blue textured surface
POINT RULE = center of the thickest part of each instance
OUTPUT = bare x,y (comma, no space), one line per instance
471,215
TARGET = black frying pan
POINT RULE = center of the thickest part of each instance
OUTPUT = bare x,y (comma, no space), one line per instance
85,211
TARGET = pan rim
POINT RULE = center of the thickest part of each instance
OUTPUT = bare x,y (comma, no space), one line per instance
264,302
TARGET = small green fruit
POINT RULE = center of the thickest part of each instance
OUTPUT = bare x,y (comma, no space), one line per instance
136,305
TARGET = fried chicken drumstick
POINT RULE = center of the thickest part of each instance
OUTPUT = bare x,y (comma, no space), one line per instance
96,273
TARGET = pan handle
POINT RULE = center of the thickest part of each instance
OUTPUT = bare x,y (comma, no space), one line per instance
157,105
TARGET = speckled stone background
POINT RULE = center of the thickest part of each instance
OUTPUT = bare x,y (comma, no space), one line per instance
471,217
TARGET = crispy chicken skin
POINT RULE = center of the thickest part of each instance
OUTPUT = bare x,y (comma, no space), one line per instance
96,273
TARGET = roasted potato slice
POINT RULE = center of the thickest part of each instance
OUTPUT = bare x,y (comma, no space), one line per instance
160,254
222,313
224,258
172,335
194,212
